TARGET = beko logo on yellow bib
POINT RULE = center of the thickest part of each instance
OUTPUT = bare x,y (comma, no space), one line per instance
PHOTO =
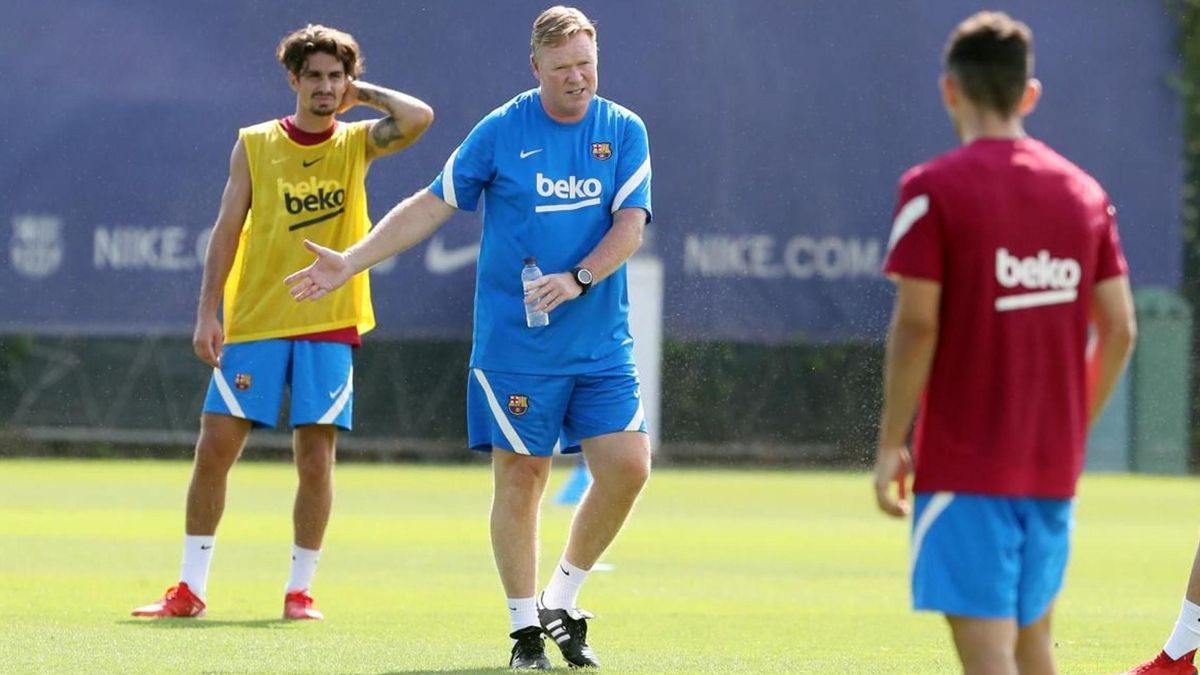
311,195
587,191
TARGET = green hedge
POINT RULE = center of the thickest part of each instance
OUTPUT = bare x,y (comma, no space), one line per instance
1187,82
789,394
801,402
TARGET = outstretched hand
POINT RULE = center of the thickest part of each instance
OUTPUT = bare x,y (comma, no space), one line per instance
892,465
330,270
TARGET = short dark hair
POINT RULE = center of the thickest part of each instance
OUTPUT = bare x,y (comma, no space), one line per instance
294,50
990,54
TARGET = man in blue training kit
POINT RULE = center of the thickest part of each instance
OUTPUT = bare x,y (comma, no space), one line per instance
567,181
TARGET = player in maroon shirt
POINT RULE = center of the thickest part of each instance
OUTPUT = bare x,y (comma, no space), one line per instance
1003,253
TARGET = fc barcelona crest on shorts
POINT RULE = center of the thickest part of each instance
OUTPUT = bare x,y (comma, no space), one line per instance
242,381
602,151
518,404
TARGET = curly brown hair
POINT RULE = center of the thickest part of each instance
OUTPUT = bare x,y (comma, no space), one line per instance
294,50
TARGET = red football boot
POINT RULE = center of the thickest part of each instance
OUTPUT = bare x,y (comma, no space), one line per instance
1165,665
299,605
178,601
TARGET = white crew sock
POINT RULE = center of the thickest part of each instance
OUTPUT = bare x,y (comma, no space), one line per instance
304,566
1186,635
197,557
563,590
522,613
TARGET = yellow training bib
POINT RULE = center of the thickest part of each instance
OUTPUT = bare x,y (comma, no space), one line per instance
299,192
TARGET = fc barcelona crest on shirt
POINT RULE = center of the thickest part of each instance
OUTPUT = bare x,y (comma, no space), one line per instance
518,404
242,381
602,151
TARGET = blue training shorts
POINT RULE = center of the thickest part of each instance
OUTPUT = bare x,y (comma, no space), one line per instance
544,414
252,377
989,557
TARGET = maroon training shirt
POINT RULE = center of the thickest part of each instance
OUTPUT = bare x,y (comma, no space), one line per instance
1017,236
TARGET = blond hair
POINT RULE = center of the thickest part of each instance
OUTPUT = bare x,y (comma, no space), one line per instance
557,25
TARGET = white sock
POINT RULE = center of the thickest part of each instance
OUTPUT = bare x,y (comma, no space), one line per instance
304,566
563,590
1186,635
522,613
197,557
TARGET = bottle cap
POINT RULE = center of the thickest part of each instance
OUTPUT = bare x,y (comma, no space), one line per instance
530,260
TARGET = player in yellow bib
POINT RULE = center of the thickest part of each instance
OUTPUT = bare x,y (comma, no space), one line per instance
300,191
292,179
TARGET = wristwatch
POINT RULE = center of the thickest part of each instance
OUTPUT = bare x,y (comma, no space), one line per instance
583,277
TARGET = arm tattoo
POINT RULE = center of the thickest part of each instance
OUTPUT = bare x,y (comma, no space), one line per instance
385,132
366,95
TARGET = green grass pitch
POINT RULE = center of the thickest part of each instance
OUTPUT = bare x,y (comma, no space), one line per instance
718,571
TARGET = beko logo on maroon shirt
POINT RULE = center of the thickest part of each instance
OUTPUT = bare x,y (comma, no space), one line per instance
1053,280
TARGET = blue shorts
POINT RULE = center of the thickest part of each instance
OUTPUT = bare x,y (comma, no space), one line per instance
252,377
544,414
989,557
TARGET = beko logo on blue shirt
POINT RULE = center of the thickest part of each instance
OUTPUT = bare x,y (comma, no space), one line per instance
588,190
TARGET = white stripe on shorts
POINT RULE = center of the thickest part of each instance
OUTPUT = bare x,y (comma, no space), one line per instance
227,396
501,419
937,504
340,403
635,424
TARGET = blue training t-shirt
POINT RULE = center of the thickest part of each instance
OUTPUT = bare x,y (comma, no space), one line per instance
551,190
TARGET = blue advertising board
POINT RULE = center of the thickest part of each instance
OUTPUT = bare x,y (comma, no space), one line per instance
778,131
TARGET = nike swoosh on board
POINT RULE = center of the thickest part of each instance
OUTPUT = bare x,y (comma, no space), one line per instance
441,260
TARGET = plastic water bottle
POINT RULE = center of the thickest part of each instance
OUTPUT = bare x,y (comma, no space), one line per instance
531,272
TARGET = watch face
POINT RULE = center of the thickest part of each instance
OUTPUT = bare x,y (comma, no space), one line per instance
584,276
